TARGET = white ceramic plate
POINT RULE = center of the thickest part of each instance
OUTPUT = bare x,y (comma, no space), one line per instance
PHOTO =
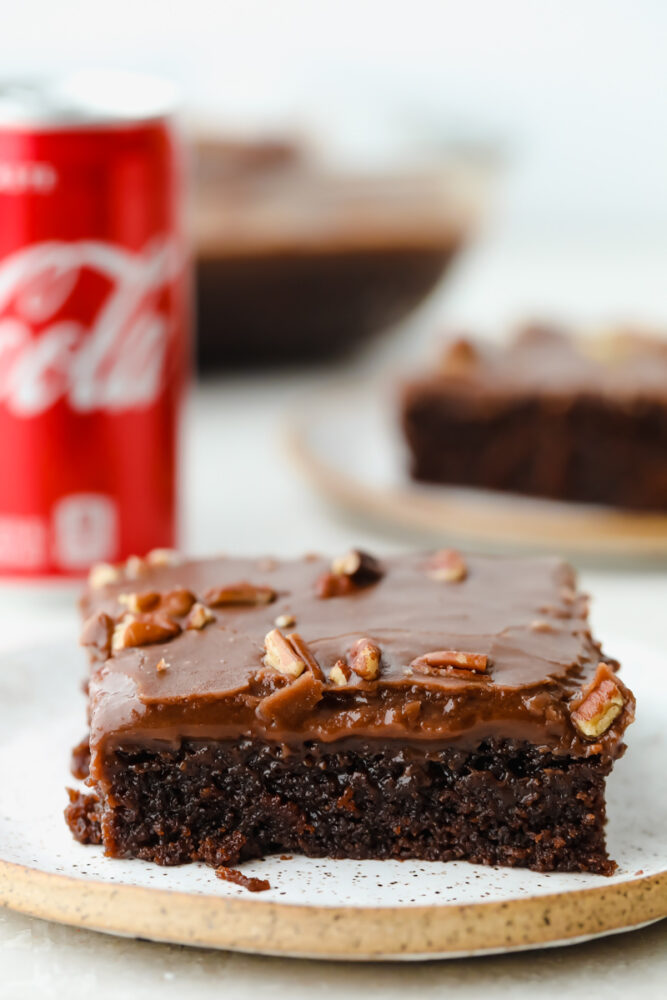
349,445
334,909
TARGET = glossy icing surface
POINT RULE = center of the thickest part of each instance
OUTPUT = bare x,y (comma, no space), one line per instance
524,615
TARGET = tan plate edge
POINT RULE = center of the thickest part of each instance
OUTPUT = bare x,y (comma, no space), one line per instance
251,925
580,529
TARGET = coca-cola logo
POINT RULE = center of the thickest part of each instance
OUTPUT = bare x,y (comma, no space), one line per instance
114,358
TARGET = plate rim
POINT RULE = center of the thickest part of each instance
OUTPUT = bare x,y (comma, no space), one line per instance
252,924
587,529
323,932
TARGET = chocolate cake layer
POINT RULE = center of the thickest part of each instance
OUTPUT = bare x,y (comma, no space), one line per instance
466,691
226,802
546,415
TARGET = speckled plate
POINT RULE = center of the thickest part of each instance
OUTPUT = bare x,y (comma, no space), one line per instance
350,448
324,909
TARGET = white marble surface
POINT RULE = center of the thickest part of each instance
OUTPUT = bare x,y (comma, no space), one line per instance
241,495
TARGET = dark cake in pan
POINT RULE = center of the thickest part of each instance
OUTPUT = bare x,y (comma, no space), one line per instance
546,415
428,706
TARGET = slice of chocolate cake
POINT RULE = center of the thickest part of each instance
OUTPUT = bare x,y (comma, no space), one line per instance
546,415
428,706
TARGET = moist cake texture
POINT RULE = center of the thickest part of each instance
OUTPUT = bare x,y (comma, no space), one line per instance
546,415
433,706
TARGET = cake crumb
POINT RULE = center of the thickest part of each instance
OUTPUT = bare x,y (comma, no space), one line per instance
245,881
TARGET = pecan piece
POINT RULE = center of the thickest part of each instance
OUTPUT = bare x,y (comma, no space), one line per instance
302,649
460,357
280,655
163,557
177,602
359,566
199,617
133,630
340,673
599,704
135,567
285,621
364,659
138,603
444,659
334,585
97,632
239,593
448,566
102,575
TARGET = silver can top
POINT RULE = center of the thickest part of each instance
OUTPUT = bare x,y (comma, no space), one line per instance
86,98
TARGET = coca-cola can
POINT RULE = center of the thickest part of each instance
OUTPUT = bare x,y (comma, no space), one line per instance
94,318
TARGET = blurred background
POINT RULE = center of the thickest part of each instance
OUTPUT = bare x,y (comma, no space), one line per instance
574,92
570,98
366,176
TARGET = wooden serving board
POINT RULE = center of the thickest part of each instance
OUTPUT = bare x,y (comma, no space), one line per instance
315,908
349,446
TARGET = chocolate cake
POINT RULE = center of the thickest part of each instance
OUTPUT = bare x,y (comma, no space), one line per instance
434,706
546,415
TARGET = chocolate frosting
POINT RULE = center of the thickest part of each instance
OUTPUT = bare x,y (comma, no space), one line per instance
523,614
620,365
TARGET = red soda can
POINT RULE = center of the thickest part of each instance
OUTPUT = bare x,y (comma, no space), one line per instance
94,317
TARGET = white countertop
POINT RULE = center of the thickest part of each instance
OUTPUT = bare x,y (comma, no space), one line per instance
242,495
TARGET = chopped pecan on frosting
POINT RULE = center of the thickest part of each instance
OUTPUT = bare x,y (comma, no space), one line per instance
97,632
103,574
135,567
143,630
200,616
364,659
139,603
177,602
163,557
290,655
340,673
239,593
361,567
334,585
448,566
279,654
539,625
450,659
284,621
349,573
599,704
302,649
459,357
